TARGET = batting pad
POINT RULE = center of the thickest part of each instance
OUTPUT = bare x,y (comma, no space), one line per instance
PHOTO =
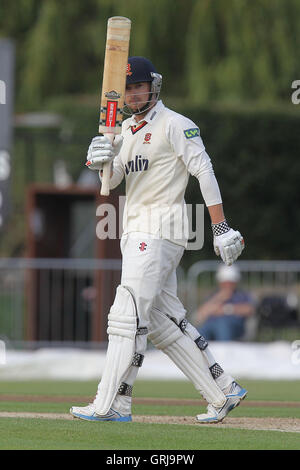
166,335
122,328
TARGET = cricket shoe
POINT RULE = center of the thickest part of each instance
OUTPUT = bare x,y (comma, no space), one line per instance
89,414
235,391
234,395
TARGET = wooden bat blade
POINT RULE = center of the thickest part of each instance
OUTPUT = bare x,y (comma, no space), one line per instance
114,83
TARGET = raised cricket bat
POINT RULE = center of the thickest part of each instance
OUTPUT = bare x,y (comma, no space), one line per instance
113,85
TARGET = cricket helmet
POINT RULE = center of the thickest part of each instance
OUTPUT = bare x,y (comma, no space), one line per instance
140,69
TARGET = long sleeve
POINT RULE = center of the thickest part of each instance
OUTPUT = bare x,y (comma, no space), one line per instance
207,180
185,138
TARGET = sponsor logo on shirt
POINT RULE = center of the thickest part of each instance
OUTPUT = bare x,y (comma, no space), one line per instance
138,164
190,133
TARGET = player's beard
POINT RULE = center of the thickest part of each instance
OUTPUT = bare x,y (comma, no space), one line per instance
146,106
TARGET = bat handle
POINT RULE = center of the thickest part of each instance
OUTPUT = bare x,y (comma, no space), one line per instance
106,172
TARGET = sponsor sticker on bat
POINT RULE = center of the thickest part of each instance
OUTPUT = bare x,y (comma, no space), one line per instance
191,133
112,95
111,113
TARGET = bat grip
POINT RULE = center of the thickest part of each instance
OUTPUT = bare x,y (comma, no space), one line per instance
106,171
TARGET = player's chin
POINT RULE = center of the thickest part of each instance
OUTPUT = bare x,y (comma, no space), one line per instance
134,107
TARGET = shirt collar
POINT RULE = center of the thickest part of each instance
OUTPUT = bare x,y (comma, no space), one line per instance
150,116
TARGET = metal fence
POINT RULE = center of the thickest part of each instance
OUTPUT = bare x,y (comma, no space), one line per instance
56,301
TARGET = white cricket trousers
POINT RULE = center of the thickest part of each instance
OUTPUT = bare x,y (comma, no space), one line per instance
149,272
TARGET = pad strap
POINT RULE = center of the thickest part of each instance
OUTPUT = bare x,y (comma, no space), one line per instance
216,370
201,342
137,360
125,389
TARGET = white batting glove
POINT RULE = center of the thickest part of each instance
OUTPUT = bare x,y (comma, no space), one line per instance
228,243
101,151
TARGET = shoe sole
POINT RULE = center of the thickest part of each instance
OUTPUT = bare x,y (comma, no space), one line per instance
242,395
123,419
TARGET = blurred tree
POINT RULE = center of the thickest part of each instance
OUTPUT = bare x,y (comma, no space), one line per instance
207,50
212,54
62,52
241,50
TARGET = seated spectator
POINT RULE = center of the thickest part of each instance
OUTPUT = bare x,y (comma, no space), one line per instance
223,316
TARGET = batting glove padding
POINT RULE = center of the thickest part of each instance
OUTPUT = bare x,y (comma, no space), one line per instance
101,151
229,246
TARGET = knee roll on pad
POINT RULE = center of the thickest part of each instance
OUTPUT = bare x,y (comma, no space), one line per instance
163,331
121,320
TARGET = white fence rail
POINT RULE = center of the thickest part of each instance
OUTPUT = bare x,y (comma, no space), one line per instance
53,297
65,291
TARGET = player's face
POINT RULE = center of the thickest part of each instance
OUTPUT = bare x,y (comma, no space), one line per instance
137,95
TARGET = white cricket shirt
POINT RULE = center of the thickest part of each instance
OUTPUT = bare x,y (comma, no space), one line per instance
156,159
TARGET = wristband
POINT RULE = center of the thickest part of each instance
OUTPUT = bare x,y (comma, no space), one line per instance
220,228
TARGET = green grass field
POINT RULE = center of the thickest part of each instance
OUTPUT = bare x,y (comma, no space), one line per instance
37,433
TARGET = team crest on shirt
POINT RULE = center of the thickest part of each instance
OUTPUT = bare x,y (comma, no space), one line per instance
147,138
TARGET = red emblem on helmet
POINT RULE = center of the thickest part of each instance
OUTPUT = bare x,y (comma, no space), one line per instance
128,69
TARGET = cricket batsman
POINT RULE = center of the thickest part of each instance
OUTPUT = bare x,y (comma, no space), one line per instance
156,152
